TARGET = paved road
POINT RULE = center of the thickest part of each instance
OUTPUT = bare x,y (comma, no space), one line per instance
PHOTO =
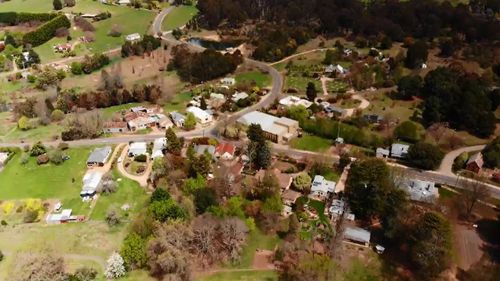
447,163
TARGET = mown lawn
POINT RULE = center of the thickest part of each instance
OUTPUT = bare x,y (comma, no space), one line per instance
311,143
47,181
35,134
256,240
300,83
178,17
259,78
128,192
250,275
178,103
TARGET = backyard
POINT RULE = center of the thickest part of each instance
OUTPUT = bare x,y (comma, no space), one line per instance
259,78
311,143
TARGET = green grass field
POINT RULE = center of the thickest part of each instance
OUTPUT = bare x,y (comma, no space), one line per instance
38,133
178,103
300,83
259,78
250,275
178,17
311,143
256,240
47,181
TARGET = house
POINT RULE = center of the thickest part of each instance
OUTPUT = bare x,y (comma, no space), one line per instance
399,150
4,156
124,3
294,101
134,37
225,151
216,100
162,121
137,109
347,52
475,163
322,188
284,180
64,216
419,190
178,119
275,129
335,69
382,152
373,118
201,149
89,16
137,148
357,235
239,96
115,127
289,197
228,81
141,122
337,208
333,110
61,48
201,115
99,156
159,145
91,183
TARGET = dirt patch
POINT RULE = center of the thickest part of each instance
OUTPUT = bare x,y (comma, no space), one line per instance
23,28
468,245
263,259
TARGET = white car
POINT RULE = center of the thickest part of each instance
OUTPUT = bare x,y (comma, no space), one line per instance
120,159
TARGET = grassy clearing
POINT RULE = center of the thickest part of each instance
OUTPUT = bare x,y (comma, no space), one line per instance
300,83
311,143
337,86
38,133
348,103
385,105
256,240
128,192
46,181
251,275
259,78
178,17
108,112
178,103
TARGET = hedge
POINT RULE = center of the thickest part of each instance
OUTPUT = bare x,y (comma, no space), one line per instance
46,31
13,18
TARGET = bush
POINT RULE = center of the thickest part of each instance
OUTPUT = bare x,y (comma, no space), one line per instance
76,68
1,253
46,31
115,31
56,156
141,158
38,149
409,131
63,146
30,216
83,24
42,159
57,115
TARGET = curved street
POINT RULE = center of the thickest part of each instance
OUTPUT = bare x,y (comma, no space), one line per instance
446,165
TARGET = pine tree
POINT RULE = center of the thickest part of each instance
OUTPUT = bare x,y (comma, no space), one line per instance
311,91
174,144
57,5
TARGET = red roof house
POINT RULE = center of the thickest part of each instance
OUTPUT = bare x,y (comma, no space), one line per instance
225,151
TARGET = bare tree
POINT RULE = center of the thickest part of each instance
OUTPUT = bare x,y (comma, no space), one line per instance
38,267
474,191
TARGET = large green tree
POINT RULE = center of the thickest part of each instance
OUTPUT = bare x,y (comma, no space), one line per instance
174,144
425,156
409,131
491,153
258,149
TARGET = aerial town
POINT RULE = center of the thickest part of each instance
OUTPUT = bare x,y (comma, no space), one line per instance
242,140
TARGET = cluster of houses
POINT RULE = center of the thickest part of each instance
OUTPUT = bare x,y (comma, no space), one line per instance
138,118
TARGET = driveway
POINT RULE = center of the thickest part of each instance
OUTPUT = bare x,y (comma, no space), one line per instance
447,163
142,179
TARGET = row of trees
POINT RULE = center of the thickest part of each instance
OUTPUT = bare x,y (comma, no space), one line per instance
147,44
46,31
89,64
204,66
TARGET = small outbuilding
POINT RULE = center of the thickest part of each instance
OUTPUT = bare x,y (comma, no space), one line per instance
357,235
99,156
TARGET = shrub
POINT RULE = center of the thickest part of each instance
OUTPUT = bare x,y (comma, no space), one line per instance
4,223
30,216
76,68
56,156
38,149
63,146
24,159
42,159
115,31
1,254
141,158
57,115
409,131
46,31
83,24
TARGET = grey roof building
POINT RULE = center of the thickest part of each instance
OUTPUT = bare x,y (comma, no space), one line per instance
275,129
418,190
357,235
399,150
99,156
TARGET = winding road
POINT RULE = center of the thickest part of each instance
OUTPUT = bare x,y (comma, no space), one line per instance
442,176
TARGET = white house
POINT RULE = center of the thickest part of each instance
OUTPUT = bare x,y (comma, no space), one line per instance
228,81
357,235
321,187
91,182
178,119
64,216
141,122
399,150
418,190
294,101
239,96
123,2
158,146
134,37
137,148
337,208
201,115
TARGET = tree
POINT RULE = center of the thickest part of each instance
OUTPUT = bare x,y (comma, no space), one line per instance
409,86
308,266
84,274
200,165
431,247
174,144
57,5
23,123
298,112
133,251
258,149
115,267
416,55
204,198
190,122
302,182
32,267
69,3
311,91
56,156
491,153
38,149
160,194
165,210
112,217
425,156
57,115
409,131
369,188
474,191
203,103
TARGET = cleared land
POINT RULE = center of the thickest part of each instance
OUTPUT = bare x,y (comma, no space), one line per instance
259,78
178,17
311,143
